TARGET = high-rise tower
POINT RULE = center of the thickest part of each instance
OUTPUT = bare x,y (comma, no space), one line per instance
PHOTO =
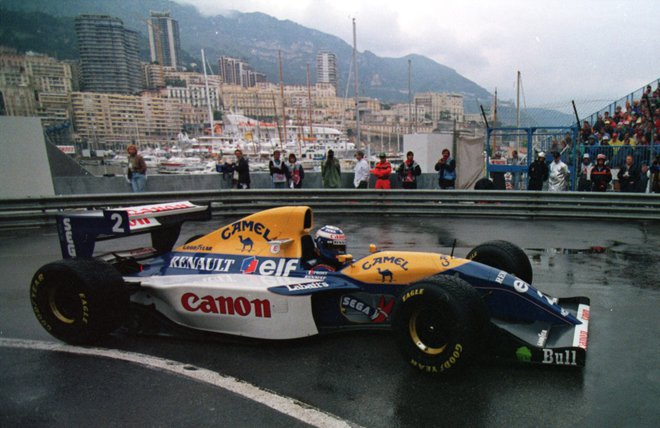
235,71
109,59
326,68
164,41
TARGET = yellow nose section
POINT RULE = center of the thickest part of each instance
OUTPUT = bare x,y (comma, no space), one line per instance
400,267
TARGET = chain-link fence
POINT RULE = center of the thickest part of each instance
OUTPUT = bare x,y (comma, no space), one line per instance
510,151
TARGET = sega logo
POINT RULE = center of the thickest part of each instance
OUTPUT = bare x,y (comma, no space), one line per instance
280,267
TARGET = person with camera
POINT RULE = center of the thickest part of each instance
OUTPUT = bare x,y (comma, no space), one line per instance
446,167
240,171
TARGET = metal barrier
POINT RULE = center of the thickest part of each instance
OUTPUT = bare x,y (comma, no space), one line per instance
31,212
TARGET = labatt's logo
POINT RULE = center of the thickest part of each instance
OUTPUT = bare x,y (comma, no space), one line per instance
244,226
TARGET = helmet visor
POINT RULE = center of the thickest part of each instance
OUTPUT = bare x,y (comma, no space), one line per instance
336,247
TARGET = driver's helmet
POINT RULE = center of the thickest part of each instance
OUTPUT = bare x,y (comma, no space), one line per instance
331,241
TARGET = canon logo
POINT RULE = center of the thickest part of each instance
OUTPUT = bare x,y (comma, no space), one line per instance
224,305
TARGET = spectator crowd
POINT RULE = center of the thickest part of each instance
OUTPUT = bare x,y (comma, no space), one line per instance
622,147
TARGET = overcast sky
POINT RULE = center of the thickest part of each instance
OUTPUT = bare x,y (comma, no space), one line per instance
580,49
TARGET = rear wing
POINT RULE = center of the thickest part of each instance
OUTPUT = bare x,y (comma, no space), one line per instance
80,230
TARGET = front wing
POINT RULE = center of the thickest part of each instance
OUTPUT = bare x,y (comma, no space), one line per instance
542,343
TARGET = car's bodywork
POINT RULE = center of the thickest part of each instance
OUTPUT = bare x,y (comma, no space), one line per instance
256,278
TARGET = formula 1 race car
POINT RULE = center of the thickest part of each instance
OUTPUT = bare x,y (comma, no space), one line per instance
254,278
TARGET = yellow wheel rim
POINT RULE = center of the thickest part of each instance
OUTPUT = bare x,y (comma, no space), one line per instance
416,335
55,300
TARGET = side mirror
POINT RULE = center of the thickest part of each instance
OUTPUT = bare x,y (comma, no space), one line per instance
345,258
372,248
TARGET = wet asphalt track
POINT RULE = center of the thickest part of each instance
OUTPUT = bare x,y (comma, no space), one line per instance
360,377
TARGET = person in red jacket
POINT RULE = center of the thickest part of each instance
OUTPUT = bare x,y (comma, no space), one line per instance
382,171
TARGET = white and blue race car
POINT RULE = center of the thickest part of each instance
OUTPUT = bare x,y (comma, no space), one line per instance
255,278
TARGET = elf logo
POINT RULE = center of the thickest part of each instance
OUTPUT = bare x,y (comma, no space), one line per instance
278,267
249,265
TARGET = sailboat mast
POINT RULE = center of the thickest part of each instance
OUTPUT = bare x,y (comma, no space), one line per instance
309,106
357,88
518,100
208,94
409,97
275,116
494,123
282,143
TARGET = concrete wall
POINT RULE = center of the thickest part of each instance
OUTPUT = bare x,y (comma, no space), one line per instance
24,167
167,183
427,148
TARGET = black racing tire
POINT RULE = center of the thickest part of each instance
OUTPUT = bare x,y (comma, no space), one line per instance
194,238
79,300
505,256
438,324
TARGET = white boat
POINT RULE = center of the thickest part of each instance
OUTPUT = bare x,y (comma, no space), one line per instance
119,160
151,161
200,168
178,165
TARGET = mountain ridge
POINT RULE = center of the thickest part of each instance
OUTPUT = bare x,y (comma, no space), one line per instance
233,34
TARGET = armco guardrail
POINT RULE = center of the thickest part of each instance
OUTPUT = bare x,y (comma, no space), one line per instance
30,212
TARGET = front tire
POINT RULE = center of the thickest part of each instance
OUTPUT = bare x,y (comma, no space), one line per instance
505,256
79,300
438,323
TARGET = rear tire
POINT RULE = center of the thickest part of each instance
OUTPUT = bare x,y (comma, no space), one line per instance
438,324
505,256
79,300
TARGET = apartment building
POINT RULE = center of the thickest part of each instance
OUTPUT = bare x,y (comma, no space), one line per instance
109,59
164,40
326,68
34,85
153,76
234,71
441,106
120,119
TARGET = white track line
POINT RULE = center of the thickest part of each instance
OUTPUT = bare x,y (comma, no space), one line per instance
285,405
